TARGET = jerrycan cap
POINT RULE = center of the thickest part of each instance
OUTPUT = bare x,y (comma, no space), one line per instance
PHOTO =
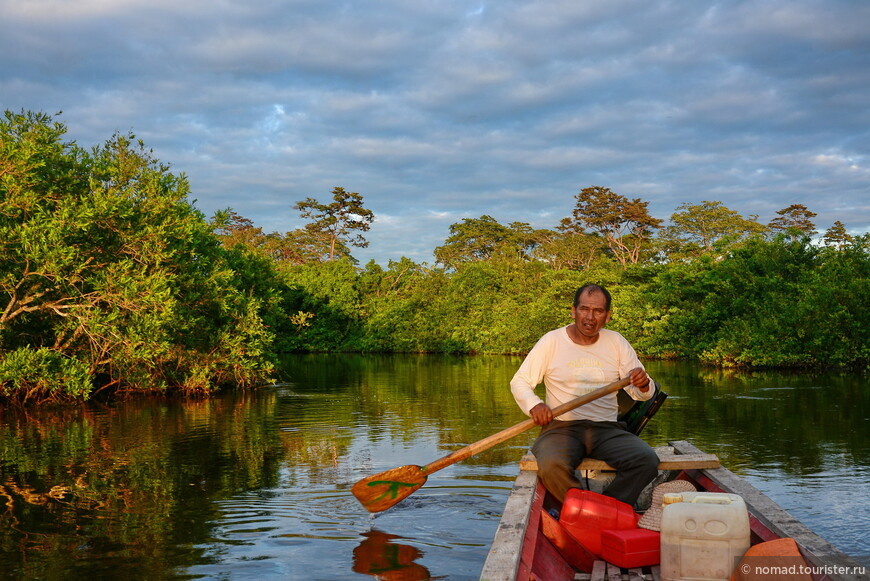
671,498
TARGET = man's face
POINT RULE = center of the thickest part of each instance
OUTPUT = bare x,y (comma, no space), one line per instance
590,314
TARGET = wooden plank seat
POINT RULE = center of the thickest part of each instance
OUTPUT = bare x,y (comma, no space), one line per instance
668,460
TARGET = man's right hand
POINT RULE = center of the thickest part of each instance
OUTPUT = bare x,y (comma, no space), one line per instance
542,414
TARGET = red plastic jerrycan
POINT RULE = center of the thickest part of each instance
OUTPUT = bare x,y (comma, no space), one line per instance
585,514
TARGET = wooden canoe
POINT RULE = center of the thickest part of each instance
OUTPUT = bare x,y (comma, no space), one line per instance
525,544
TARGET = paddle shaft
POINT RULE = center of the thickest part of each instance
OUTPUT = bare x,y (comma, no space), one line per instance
508,433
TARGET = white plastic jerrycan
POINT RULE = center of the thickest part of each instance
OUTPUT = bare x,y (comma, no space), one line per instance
703,535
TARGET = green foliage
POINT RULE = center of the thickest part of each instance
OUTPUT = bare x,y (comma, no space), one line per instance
624,224
839,294
104,261
780,303
329,291
109,277
794,221
398,309
39,374
494,306
837,236
334,226
706,228
484,238
569,250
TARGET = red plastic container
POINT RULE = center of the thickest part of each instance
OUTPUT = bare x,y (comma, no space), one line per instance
631,547
585,514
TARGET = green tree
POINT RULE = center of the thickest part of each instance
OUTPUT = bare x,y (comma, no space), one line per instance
104,261
839,325
234,230
568,250
837,236
397,305
624,224
768,303
794,221
306,245
476,239
336,224
707,227
330,292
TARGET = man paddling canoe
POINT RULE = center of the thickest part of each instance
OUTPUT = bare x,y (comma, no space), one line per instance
571,361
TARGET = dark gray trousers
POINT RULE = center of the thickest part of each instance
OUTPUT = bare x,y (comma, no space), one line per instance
562,445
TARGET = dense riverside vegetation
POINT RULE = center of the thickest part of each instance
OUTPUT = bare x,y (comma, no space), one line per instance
111,279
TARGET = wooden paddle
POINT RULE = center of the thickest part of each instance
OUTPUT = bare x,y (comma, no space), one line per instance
381,491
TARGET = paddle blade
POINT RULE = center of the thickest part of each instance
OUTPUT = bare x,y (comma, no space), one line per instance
381,491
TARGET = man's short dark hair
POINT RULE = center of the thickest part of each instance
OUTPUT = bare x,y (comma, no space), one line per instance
592,288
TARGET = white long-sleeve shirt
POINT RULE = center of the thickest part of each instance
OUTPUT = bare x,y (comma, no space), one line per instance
569,370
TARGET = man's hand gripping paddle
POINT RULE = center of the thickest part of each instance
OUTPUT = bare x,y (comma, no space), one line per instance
383,490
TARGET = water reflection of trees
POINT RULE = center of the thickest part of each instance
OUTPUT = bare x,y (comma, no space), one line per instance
459,399
793,418
124,483
803,421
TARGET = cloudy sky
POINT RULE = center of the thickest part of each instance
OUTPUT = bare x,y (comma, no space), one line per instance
437,111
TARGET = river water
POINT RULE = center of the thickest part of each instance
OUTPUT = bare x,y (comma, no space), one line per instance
256,485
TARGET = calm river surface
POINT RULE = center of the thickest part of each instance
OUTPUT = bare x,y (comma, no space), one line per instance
257,485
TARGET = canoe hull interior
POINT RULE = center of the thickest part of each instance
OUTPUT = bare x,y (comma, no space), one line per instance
530,543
